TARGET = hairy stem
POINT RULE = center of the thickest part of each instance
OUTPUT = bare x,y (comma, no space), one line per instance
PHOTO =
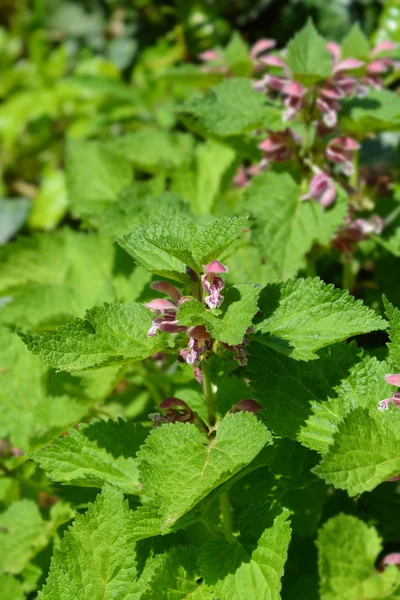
208,391
226,512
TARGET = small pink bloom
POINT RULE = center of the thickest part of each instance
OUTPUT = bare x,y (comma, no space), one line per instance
215,267
276,147
348,64
390,559
199,332
322,189
209,55
261,46
379,66
340,150
334,50
247,405
384,46
240,179
161,305
171,327
164,287
213,284
275,83
295,89
393,379
329,109
273,61
384,404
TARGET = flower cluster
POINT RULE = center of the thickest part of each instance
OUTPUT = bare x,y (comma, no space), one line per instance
165,314
395,399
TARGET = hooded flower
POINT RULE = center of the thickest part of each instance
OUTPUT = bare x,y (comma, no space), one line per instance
395,399
213,284
199,342
322,189
165,310
340,150
276,147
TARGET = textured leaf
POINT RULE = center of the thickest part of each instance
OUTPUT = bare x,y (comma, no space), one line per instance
173,575
251,566
94,454
11,588
178,468
308,401
366,451
166,247
232,108
96,172
348,549
301,316
97,557
237,312
307,56
287,227
237,56
110,334
393,315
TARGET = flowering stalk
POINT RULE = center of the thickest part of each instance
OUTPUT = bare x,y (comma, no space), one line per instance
208,392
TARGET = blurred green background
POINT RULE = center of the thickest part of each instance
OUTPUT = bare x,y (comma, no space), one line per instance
94,69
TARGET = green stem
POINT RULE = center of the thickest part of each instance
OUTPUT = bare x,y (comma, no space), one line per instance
208,391
226,512
392,216
347,275
354,177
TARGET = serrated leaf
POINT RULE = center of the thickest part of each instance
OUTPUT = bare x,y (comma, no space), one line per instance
300,316
287,227
97,557
166,247
251,566
94,454
307,56
348,549
232,108
393,315
236,314
174,574
355,44
366,451
96,173
237,56
178,468
108,335
307,402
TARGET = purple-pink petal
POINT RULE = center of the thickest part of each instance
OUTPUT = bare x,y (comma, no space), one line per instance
215,267
393,379
164,287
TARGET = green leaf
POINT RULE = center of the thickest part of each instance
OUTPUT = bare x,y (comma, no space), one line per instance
250,566
173,575
166,247
307,56
178,467
108,335
24,533
97,556
379,111
287,227
201,182
237,56
11,588
94,454
393,315
35,407
152,150
366,451
301,316
96,173
235,315
232,108
308,402
50,204
348,549
356,44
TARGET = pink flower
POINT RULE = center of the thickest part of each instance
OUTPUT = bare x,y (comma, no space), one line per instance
209,55
393,379
276,147
322,189
384,404
329,109
247,405
260,47
213,284
199,342
164,287
165,317
340,150
390,559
